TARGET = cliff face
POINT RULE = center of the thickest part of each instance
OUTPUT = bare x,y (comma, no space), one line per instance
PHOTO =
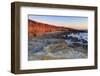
37,28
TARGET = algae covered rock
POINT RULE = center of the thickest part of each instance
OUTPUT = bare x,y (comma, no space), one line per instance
56,47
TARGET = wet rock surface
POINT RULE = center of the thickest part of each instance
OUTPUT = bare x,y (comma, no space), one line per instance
49,49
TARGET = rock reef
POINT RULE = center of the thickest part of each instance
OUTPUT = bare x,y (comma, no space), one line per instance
49,49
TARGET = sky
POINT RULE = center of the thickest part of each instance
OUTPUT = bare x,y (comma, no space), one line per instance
65,21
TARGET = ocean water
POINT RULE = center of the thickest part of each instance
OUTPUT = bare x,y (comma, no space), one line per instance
81,38
79,35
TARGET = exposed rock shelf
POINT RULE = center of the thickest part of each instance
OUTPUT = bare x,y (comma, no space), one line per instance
46,49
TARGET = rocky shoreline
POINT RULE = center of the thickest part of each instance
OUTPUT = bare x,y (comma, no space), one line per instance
49,49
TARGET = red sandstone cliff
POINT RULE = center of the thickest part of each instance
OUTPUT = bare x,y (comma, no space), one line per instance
36,28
